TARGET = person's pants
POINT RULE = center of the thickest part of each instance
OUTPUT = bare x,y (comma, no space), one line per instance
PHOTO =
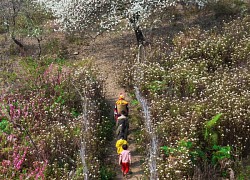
116,117
125,168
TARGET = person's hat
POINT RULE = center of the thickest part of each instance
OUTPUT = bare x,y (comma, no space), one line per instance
121,96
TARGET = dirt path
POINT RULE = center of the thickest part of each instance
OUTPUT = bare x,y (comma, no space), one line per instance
107,51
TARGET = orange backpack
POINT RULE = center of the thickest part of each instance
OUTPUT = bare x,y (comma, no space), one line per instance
121,106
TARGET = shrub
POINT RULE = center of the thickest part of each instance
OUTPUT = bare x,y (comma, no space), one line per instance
204,75
229,8
46,118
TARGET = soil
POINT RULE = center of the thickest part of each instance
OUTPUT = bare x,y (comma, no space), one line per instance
106,52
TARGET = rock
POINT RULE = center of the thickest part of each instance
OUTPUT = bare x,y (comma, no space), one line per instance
76,53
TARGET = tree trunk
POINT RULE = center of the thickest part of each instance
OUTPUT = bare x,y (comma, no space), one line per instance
20,45
139,36
17,42
39,46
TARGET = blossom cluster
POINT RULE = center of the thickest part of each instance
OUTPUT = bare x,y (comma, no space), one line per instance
45,122
78,16
206,73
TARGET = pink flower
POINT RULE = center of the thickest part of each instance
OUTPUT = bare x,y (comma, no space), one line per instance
11,138
38,173
17,162
11,110
18,113
5,163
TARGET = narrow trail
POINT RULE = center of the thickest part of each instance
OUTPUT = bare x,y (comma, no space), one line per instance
107,51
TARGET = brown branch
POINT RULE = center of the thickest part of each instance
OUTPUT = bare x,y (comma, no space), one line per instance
22,129
17,42
15,13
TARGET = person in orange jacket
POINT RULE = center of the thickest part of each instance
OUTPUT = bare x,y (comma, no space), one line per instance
121,105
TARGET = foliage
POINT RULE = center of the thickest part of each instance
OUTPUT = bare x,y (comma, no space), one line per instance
229,8
107,173
244,173
5,126
220,153
204,74
56,111
23,21
179,159
98,16
44,120
210,135
134,102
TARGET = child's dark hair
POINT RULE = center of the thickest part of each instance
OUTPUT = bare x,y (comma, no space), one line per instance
123,112
124,146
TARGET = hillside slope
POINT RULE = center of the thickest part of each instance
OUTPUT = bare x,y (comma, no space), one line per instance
107,52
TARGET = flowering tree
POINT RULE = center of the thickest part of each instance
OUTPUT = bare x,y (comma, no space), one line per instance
20,19
43,124
100,15
9,13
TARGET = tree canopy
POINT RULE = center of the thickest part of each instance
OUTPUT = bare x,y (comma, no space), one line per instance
79,15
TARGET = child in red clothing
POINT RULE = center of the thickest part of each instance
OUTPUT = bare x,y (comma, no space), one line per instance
125,159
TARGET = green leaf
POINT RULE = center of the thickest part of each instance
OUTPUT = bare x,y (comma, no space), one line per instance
77,131
156,86
59,99
186,144
206,134
213,121
201,153
221,152
189,144
75,113
214,138
5,126
215,147
165,149
134,102
209,134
